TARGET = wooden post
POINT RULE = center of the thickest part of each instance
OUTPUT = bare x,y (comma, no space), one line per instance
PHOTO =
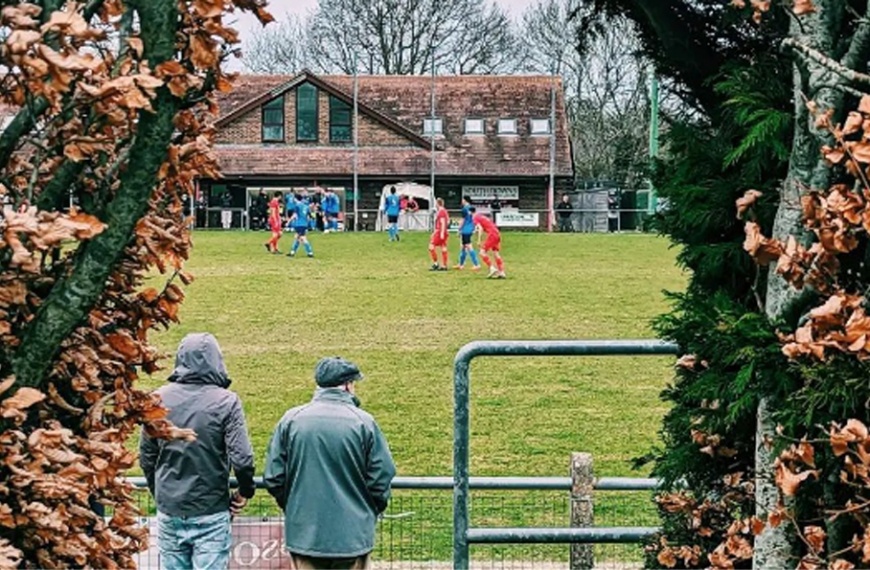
582,483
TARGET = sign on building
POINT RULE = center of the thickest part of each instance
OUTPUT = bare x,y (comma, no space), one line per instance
488,193
517,219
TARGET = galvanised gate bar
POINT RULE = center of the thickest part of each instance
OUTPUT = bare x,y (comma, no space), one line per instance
463,536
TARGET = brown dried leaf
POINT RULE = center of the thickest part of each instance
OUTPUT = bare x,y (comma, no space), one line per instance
815,537
854,123
22,399
746,201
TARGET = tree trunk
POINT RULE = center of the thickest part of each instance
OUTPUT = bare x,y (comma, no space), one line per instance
807,170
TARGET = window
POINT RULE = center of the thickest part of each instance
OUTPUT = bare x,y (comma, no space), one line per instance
473,126
433,126
507,126
273,120
340,129
306,113
540,126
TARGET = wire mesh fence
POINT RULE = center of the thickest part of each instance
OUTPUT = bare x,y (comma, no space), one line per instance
416,531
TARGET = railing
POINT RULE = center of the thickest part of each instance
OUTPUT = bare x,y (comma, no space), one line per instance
416,530
580,220
465,531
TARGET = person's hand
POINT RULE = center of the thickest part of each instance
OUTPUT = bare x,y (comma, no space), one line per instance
237,503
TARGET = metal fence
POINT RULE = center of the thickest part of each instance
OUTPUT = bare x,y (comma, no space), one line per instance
416,531
580,220
467,532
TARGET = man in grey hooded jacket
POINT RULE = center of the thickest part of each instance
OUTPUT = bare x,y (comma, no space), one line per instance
190,480
329,468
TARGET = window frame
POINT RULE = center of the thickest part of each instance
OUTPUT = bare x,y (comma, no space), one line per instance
532,130
434,121
332,139
316,91
482,130
272,106
512,132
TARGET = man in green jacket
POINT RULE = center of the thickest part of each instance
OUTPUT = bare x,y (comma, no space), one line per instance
329,468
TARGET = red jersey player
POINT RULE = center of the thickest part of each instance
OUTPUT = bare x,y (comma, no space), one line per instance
439,237
492,244
274,223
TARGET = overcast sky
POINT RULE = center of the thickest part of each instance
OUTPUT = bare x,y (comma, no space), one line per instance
248,25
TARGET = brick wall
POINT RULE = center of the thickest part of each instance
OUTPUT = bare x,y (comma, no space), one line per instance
247,128
243,130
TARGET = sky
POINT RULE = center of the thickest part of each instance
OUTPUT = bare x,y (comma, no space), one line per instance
248,25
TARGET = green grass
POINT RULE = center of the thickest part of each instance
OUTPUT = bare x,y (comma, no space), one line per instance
375,302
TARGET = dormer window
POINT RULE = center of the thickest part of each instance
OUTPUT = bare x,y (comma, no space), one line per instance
540,126
433,126
340,121
507,126
474,126
307,122
273,120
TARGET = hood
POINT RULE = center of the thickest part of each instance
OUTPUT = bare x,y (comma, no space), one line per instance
199,361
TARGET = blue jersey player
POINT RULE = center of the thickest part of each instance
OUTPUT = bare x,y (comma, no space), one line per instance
466,231
392,208
299,221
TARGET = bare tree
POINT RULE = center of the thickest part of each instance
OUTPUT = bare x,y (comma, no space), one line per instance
278,48
605,88
392,37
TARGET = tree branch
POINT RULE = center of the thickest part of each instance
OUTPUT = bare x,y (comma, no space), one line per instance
26,118
71,300
821,59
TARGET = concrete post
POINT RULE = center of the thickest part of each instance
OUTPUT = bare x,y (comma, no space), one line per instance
582,483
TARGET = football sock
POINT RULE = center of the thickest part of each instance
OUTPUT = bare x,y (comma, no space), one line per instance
499,262
308,249
485,259
295,246
444,258
433,255
474,259
462,255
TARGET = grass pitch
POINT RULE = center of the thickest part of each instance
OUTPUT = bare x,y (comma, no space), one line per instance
376,303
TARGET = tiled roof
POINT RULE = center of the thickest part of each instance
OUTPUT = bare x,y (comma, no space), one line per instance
406,100
242,160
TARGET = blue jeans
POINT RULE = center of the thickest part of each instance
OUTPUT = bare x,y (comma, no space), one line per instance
194,543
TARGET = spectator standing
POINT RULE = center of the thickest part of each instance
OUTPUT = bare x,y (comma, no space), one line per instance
329,468
612,213
259,211
190,479
495,208
565,210
226,213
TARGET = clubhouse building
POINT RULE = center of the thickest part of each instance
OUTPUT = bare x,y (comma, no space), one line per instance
504,136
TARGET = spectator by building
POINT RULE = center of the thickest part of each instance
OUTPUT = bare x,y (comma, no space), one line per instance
565,212
329,468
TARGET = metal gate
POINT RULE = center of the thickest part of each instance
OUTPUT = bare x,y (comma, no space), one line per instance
463,536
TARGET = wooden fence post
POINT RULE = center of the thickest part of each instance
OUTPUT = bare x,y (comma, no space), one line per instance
582,483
